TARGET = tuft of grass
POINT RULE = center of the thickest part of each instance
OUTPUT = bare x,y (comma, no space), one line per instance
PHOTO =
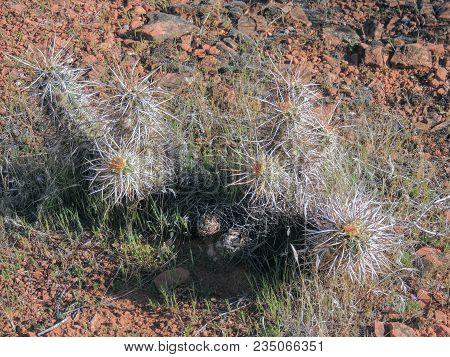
290,303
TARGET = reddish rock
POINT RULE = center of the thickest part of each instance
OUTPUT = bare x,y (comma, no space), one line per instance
54,8
441,74
261,23
224,48
177,2
329,59
247,25
213,50
375,55
413,55
441,330
393,315
440,298
162,27
432,259
447,214
19,9
209,61
139,10
434,82
186,42
422,126
424,296
444,12
391,24
172,278
440,316
298,14
200,53
135,23
397,329
378,328
173,80
436,49
429,331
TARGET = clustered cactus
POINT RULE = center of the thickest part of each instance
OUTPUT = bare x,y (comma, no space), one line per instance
126,142
134,156
277,162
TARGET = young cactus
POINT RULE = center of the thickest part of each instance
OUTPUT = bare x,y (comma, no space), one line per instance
128,171
134,107
350,236
60,88
266,177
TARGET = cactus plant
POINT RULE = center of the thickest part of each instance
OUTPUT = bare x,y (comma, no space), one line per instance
351,236
126,170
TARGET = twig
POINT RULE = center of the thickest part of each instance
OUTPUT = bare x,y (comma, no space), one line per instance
204,22
429,232
53,327
70,313
10,320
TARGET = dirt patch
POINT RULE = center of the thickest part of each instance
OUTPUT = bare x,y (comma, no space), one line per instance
52,286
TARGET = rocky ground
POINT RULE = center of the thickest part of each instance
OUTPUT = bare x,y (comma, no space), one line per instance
392,55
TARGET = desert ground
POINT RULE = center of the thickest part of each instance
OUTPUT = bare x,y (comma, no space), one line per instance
71,265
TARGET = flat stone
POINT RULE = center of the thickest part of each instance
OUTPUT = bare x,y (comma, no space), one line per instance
298,14
412,55
397,329
337,35
424,296
379,328
161,27
247,25
432,259
172,278
441,74
441,330
375,55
